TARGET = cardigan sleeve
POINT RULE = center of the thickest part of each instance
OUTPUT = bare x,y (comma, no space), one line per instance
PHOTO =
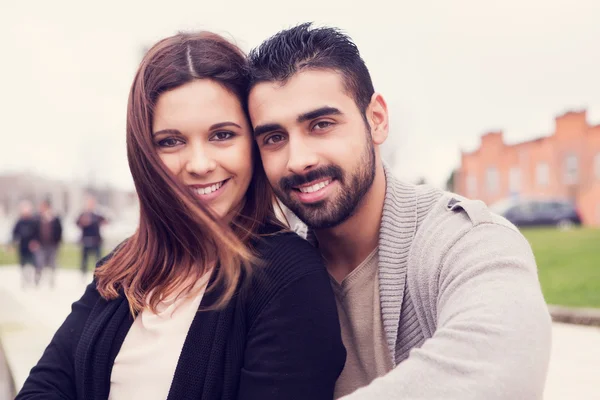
53,377
491,327
294,348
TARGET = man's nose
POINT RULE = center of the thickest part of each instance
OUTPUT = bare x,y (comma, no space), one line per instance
302,156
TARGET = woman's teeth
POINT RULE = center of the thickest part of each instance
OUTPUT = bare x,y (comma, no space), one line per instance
209,189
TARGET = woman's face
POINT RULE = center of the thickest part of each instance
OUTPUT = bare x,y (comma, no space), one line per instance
202,136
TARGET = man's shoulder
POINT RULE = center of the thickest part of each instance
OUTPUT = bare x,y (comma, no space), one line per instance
452,212
453,218
439,212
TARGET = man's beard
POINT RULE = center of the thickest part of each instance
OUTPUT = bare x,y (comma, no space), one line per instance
331,212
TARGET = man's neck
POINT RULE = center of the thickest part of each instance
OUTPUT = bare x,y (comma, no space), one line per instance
347,245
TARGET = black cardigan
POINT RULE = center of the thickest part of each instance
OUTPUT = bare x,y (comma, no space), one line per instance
279,338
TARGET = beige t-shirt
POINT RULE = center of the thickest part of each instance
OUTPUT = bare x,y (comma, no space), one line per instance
357,298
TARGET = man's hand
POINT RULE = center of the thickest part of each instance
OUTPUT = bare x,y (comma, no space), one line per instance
34,246
85,220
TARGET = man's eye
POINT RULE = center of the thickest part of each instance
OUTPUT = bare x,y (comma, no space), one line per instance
224,135
322,125
274,139
169,142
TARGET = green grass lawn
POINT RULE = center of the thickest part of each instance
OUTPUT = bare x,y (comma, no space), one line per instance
568,263
69,256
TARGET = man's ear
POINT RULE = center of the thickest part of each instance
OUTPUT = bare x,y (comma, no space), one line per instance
377,116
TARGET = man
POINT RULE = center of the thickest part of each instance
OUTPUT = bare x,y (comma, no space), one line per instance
50,232
90,222
26,234
437,297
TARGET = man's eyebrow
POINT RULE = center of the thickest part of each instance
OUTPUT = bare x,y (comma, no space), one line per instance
266,128
307,116
319,112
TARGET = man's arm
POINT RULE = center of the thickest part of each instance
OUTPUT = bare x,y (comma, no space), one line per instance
16,232
79,221
493,332
102,220
59,229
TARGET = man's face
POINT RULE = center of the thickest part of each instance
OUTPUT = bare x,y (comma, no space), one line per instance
315,146
44,207
90,203
26,209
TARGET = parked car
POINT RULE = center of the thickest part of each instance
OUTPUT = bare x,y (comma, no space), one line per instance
538,212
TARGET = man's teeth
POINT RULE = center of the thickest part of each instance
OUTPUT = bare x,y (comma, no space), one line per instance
209,189
315,187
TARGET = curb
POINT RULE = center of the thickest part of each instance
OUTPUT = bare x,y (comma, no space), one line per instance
577,316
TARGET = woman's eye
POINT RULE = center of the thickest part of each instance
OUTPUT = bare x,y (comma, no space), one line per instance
169,142
220,136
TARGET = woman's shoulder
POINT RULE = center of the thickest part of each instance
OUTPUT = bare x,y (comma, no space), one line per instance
283,257
284,260
286,249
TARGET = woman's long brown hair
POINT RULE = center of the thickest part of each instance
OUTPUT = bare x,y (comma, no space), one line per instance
178,237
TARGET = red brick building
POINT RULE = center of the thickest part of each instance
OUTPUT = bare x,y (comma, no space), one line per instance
564,165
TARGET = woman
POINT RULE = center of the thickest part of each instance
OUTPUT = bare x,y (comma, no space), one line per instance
210,298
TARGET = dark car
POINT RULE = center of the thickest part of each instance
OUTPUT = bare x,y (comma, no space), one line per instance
538,212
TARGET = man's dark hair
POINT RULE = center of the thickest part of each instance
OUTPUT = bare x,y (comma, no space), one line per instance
305,47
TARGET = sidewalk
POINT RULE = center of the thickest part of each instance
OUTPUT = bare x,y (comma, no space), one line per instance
6,382
29,318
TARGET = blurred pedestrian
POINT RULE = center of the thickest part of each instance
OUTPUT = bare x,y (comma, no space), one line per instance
25,235
50,236
90,222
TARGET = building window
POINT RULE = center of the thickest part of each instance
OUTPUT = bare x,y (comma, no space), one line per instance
514,180
597,166
542,174
523,155
571,169
492,180
471,186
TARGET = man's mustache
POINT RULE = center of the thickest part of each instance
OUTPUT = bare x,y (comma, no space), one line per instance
287,183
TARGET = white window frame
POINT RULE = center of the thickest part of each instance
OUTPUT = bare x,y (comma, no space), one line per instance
542,174
571,169
492,180
514,180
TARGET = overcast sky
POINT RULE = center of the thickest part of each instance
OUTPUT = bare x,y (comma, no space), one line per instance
449,69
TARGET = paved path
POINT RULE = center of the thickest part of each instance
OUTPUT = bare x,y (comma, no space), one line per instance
28,319
6,389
